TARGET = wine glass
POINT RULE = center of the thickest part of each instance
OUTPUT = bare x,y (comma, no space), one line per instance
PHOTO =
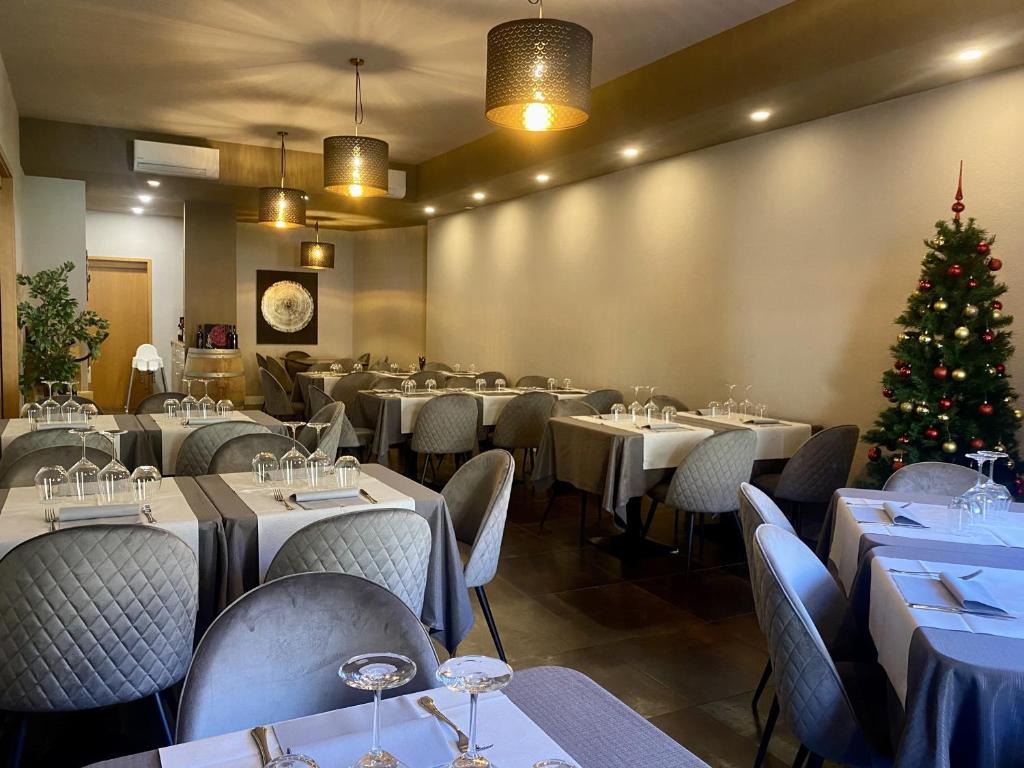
337,369
347,471
394,367
500,384
265,468
224,407
51,483
357,367
730,405
714,408
635,411
408,387
566,383
458,367
293,463
114,480
636,397
171,406
651,412
618,411
761,409
481,385
206,403
89,412
472,367
33,412
319,464
83,474
188,402
999,499
552,383
145,481
51,408
377,672
70,409
473,675
747,407
668,413
431,385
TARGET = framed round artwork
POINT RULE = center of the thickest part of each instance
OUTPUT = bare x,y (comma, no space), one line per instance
286,309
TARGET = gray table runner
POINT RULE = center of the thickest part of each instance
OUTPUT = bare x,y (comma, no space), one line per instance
446,606
594,727
152,445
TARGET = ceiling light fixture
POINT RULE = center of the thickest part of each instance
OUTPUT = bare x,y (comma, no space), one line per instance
282,207
138,211
479,196
630,152
356,165
153,182
316,255
145,198
760,115
430,210
538,73
970,54
542,178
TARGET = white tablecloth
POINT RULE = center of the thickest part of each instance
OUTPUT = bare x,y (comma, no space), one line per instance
173,434
17,427
337,739
663,449
774,441
892,621
275,524
21,517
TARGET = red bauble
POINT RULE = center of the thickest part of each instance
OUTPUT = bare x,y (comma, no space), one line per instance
997,305
983,249
904,371
1000,369
940,372
931,433
976,443
897,463
945,403
886,392
987,336
897,364
972,283
986,409
874,453
995,264
954,270
903,439
924,285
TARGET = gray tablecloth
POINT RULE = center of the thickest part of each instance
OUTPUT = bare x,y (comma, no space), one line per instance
134,448
152,445
965,691
594,727
300,387
446,606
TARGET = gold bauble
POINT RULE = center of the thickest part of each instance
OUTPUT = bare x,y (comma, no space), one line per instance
949,446
1007,399
997,315
959,374
1010,463
940,337
963,332
943,417
924,338
902,336
923,409
941,305
1018,414
990,370
937,242
906,407
999,447
970,311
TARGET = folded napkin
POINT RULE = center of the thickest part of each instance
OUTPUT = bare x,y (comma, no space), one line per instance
323,495
971,595
662,426
203,420
900,515
61,424
93,511
759,420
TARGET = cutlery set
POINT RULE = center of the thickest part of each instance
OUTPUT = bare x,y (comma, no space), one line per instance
51,518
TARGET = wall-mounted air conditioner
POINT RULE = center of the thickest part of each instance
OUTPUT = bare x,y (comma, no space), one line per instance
178,160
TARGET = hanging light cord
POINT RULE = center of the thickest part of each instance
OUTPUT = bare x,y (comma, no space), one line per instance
540,9
358,113
316,228
282,134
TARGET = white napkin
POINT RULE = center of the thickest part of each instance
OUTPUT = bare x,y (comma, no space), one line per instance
326,493
62,424
901,515
761,421
95,511
203,420
661,426
971,595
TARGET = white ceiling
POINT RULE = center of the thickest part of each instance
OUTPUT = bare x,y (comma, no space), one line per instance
240,71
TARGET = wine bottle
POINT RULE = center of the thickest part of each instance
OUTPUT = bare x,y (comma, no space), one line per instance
200,338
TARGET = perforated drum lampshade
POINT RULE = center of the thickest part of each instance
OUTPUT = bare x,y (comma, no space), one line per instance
316,255
538,74
356,166
282,207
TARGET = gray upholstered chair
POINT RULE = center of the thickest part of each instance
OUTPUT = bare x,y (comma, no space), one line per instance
380,366
602,400
320,367
22,472
447,424
276,401
46,438
436,366
521,424
799,606
935,477
261,361
294,366
332,414
819,467
200,444
422,377
296,354
346,363
532,381
572,408
491,377
705,482
317,398
390,547
274,653
346,388
663,401
364,359
477,496
278,371
155,403
236,454
94,616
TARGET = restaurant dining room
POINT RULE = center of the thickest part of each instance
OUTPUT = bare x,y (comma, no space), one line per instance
511,383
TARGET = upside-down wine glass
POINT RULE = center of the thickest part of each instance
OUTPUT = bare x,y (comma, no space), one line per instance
89,412
377,672
188,402
976,497
319,465
83,474
171,406
431,385
224,407
481,385
33,412
552,383
347,471
636,398
408,387
999,498
747,407
51,483
669,413
337,368
207,405
500,384
618,411
146,481
651,412
730,405
357,367
114,480
473,675
70,409
293,463
51,408
265,468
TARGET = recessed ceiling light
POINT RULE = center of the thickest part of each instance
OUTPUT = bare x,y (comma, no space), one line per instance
470,207
138,211
543,178
630,152
145,198
971,54
153,182
760,115
479,195
429,210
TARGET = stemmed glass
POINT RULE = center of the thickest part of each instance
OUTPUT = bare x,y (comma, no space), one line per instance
51,483
669,413
481,385
730,405
408,387
171,406
635,411
319,464
89,412
618,411
145,482
71,409
337,368
293,463
114,480
51,408
188,402
552,383
206,403
224,407
347,471
473,675
636,398
714,408
651,412
999,499
83,474
357,367
567,383
500,384
431,385
265,468
377,672
33,412
747,407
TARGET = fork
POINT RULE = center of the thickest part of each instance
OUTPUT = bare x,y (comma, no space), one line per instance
278,496
147,512
50,516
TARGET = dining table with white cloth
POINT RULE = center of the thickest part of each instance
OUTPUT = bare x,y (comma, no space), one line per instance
256,525
132,446
326,380
544,713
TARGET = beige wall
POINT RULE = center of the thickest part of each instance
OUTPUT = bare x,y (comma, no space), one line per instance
52,215
779,260
10,146
390,285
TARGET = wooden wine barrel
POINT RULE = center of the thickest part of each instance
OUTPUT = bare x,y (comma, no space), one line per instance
222,369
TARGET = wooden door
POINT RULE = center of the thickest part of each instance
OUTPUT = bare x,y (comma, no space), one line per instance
120,290
9,397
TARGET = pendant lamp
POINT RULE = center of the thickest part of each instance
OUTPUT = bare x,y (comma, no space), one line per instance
356,165
316,255
280,206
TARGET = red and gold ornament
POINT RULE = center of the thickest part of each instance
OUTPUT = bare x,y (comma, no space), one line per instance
976,443
931,433
945,403
874,453
986,409
995,264
939,371
983,248
924,285
954,270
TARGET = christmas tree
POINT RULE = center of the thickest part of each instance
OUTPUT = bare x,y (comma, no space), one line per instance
948,387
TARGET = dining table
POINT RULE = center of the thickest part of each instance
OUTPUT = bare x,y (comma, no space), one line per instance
132,446
256,526
543,713
326,380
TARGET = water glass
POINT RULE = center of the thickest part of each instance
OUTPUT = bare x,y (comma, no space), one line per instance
714,408
408,387
224,407
171,407
347,471
668,413
357,367
481,385
51,483
566,383
431,385
500,384
145,482
552,383
89,413
618,411
33,413
458,368
337,369
651,413
265,468
961,516
635,411
472,367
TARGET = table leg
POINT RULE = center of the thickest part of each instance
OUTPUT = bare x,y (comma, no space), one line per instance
632,544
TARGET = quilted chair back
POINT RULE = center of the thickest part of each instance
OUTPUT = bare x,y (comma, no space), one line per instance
47,438
794,595
332,414
274,653
707,479
199,445
757,509
296,354
572,408
421,378
261,361
236,454
446,424
819,466
278,372
348,387
389,547
935,477
94,616
155,403
294,366
276,400
346,363
602,400
665,400
436,366
22,472
522,421
477,496
532,381
317,398
491,377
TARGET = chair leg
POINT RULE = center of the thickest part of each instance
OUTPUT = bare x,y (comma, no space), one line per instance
426,463
689,543
801,757
583,518
675,531
761,684
19,744
766,735
650,517
547,509
163,718
485,605
128,400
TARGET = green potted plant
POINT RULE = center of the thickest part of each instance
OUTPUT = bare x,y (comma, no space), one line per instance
53,325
